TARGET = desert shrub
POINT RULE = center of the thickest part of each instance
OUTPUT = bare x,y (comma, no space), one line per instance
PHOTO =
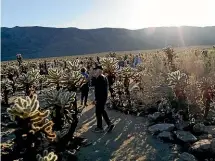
6,89
32,124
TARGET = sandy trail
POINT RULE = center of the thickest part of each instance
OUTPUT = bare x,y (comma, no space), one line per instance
129,140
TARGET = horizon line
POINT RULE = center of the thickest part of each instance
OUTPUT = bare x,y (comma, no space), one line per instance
110,27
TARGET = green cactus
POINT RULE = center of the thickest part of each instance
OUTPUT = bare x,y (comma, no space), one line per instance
28,111
73,65
47,156
6,88
54,77
127,72
59,102
72,80
28,79
177,79
109,65
42,79
32,65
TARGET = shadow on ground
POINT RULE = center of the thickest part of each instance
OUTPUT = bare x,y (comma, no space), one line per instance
129,140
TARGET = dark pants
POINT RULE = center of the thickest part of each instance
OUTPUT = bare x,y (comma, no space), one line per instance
100,112
84,96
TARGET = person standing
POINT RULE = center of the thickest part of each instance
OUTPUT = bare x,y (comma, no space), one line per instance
101,94
85,87
19,58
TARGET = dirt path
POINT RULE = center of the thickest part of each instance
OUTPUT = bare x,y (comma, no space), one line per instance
129,140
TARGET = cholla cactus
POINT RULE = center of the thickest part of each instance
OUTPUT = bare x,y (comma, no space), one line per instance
47,156
12,69
57,97
73,65
207,87
60,103
178,81
72,80
169,53
118,93
42,79
170,57
113,55
23,68
127,72
177,78
109,65
6,88
28,79
137,77
28,111
32,65
54,77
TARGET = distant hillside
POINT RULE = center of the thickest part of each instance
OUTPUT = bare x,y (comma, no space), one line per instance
38,42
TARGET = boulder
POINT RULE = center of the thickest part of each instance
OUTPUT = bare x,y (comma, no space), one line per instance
165,135
155,116
185,136
161,127
205,136
199,128
182,125
186,157
201,146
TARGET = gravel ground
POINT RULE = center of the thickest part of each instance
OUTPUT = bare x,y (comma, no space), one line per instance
128,141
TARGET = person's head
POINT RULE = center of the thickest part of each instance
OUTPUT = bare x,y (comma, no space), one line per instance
99,70
83,70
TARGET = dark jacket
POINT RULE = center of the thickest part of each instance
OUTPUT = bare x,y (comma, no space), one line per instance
101,88
85,86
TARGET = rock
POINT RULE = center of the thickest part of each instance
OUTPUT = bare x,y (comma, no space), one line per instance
165,135
185,136
199,128
201,146
187,157
210,130
205,136
182,125
155,116
213,146
161,127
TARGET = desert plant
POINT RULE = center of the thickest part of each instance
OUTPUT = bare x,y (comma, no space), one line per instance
59,102
73,65
207,87
47,156
32,125
42,79
178,82
12,74
27,80
65,113
170,56
6,88
72,80
109,65
54,77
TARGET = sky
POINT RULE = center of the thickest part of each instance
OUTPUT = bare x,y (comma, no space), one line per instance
88,14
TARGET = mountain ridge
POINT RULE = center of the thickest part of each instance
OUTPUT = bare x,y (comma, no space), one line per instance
40,42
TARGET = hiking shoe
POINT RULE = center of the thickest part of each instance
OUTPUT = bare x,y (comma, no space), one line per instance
98,130
110,127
